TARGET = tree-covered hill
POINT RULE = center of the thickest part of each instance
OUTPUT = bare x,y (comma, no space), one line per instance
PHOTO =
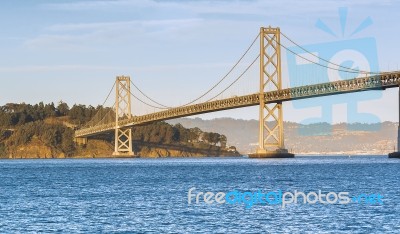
47,130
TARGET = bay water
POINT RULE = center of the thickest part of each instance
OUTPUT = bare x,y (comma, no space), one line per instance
151,195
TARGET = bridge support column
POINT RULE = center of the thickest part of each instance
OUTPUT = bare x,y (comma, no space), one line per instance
396,154
123,136
271,141
80,140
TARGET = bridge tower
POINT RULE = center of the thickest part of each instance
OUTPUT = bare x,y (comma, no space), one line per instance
271,141
396,154
123,136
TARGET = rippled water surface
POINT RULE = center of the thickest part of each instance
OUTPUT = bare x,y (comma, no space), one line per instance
151,195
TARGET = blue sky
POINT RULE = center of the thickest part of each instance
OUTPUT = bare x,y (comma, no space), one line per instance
174,50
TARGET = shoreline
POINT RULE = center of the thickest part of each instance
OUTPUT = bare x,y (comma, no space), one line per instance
198,157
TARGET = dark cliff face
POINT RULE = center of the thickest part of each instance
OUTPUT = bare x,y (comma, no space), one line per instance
35,147
183,150
100,148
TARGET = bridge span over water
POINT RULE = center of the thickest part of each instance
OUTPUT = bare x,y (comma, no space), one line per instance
270,97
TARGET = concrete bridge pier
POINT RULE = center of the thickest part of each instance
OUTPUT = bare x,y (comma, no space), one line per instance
81,140
397,153
279,153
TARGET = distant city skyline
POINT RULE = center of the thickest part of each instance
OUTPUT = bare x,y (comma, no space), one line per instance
173,50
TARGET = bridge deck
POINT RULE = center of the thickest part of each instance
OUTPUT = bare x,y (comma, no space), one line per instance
381,81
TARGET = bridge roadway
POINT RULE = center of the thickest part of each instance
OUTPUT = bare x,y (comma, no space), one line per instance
375,82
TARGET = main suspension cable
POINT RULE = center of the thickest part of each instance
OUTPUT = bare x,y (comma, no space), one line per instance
212,88
149,97
107,113
230,85
227,74
109,93
325,60
140,100
309,60
238,78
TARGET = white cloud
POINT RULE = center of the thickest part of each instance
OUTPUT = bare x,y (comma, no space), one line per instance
55,68
83,35
178,19
96,5
123,24
90,68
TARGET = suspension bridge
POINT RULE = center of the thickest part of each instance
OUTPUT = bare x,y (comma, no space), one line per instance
269,97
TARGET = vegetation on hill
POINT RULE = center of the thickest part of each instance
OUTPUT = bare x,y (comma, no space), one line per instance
31,130
164,133
167,136
12,114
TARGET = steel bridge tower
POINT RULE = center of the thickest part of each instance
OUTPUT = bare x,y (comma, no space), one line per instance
123,136
396,153
271,141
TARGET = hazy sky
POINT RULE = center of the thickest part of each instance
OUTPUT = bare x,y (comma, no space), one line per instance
173,50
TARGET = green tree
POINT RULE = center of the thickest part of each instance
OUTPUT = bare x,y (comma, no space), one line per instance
68,145
63,108
50,110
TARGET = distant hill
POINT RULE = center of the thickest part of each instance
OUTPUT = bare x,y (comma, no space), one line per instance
357,138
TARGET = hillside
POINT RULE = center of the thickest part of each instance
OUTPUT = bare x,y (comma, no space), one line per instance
47,131
380,138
